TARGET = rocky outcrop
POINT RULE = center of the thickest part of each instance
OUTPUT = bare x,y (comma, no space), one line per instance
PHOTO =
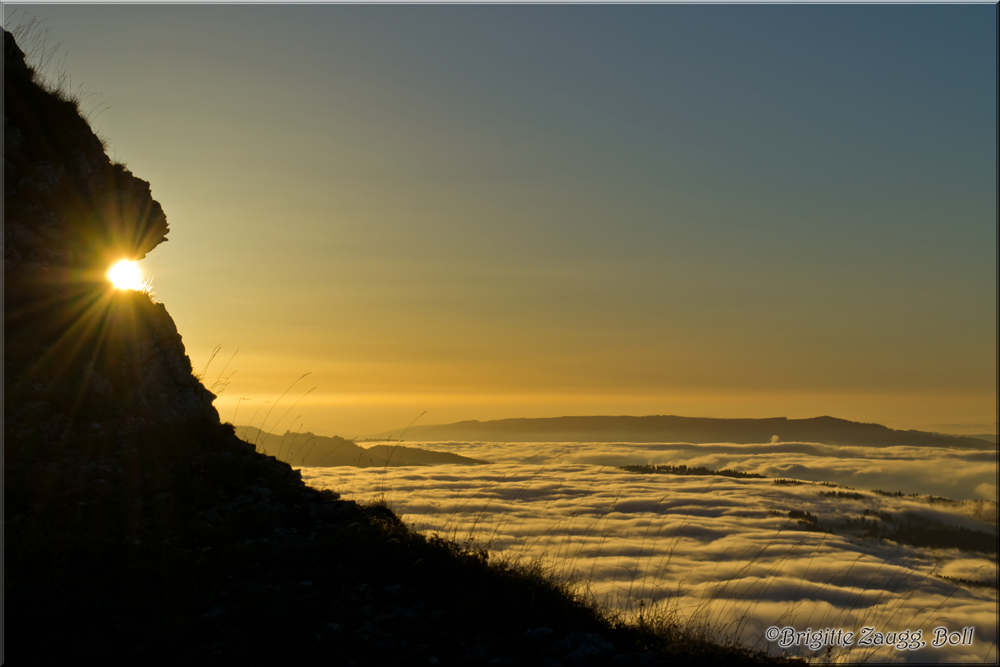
69,209
75,347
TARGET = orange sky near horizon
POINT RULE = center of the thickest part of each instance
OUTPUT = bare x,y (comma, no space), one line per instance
359,414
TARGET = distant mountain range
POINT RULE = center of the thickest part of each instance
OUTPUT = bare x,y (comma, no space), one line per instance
664,428
311,450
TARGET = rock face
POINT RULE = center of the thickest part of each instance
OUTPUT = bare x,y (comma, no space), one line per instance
75,347
68,207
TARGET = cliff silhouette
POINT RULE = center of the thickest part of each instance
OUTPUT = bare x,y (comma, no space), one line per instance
140,530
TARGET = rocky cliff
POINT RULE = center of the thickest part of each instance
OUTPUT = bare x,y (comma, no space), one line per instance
74,346
111,445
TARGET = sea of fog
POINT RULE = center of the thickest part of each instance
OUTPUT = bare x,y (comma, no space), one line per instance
722,551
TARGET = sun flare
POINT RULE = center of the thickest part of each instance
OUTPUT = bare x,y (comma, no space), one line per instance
126,275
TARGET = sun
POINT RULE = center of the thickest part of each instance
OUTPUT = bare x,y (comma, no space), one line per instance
126,275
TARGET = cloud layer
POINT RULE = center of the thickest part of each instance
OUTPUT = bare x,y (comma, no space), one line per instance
716,550
952,473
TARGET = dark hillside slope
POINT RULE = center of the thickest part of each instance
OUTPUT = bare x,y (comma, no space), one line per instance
138,529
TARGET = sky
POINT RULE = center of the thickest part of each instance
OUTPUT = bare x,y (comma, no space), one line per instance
717,550
486,211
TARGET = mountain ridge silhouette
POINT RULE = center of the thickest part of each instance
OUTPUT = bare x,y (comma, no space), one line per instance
310,450
672,428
